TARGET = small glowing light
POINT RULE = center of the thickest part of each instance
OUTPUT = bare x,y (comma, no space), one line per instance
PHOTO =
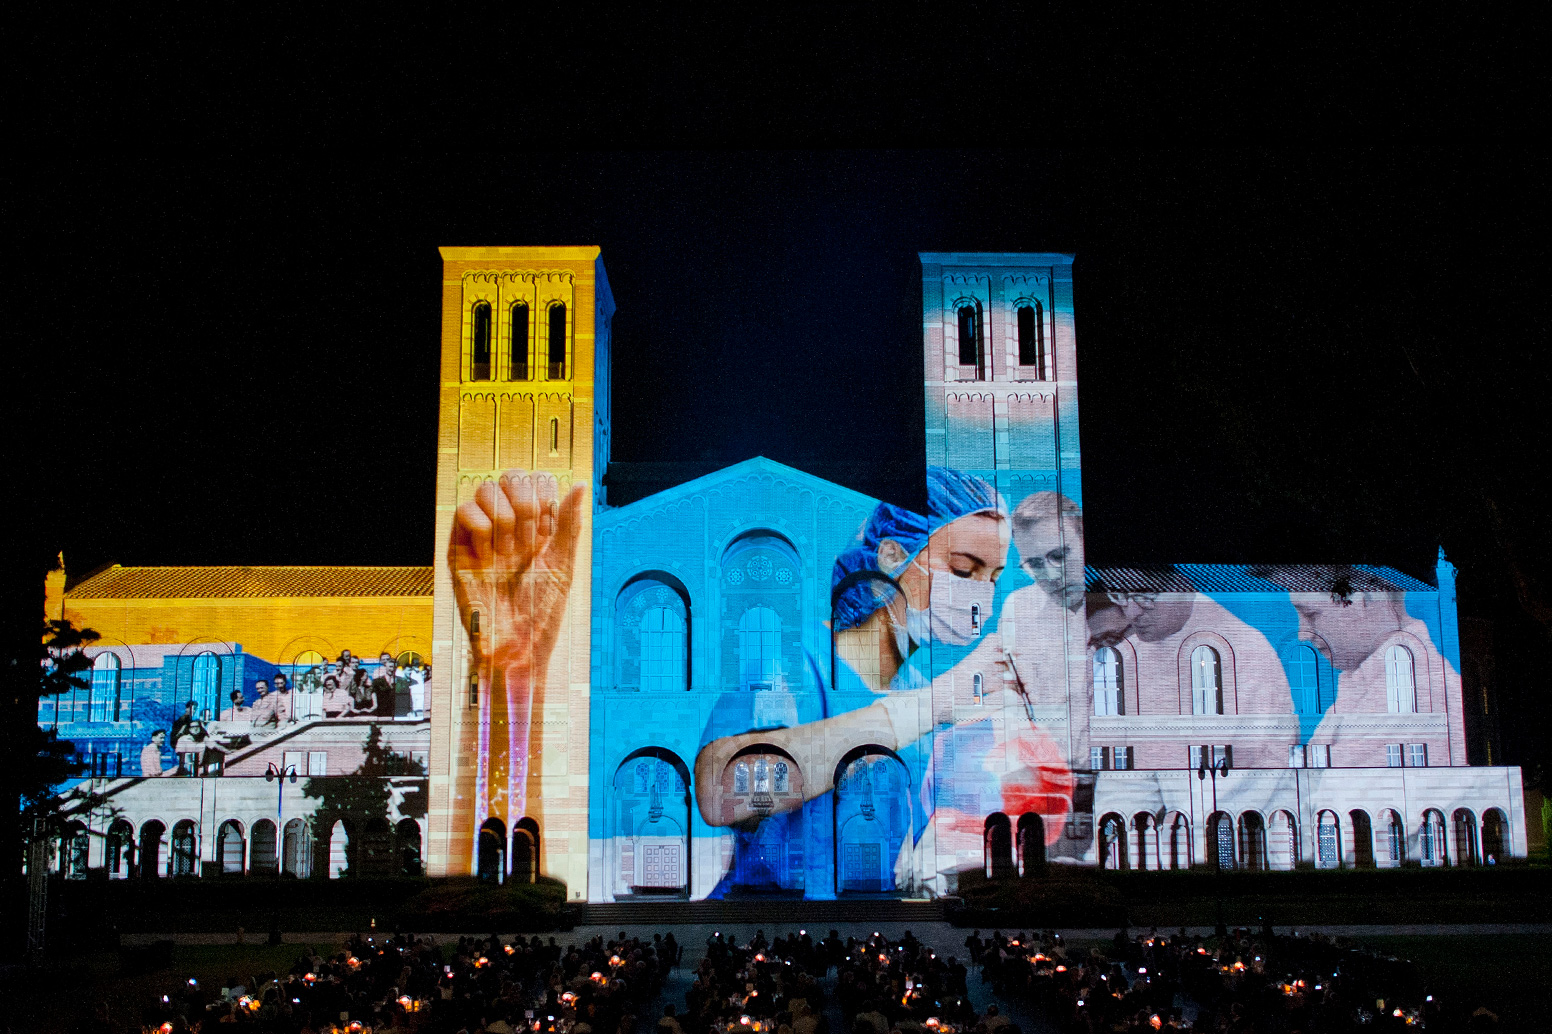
1396,1013
1080,1001
744,1020
1142,969
1155,1022
309,978
1061,969
166,1028
510,949
932,1021
1429,998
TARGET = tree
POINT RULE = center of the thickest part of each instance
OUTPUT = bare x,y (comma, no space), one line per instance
45,760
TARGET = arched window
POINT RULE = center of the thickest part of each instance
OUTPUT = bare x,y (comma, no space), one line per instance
1206,681
1223,840
1400,686
970,351
762,587
652,636
759,648
105,688
557,342
185,849
662,651
782,777
479,343
554,436
978,687
297,849
1108,682
1493,841
762,776
1430,838
741,777
1031,338
1304,680
120,845
1112,843
517,348
206,684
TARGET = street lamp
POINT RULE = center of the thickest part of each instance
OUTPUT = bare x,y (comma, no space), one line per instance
278,774
1216,767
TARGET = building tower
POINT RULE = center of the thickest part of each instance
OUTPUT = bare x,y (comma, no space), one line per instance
523,443
1002,404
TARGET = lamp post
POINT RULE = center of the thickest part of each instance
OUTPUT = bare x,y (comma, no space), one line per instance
1216,767
278,774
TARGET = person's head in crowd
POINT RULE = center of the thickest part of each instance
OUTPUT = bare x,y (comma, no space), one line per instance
346,658
281,685
237,699
159,738
1048,531
196,730
261,688
386,660
188,709
330,682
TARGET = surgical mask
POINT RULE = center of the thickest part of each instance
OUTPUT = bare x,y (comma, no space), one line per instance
958,613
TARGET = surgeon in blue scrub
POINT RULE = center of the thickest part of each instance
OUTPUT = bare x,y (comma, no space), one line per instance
914,581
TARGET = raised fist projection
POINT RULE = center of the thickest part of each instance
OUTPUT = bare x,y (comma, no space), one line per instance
512,555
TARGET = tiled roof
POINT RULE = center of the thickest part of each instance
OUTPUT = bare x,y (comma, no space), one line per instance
139,583
1251,578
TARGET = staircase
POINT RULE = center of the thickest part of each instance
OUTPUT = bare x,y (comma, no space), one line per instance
775,912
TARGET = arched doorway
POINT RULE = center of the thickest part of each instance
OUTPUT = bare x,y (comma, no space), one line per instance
872,819
77,846
1112,843
1179,841
768,854
525,850
651,824
185,849
1031,844
1363,839
152,840
1328,841
340,852
262,848
1466,838
1146,831
1252,841
1220,828
1282,852
120,845
997,846
1493,841
1395,839
409,847
297,850
490,864
230,848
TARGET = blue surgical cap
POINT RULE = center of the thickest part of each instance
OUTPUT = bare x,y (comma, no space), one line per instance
951,495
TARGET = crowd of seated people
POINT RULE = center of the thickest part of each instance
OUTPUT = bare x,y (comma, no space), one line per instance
405,982
1264,984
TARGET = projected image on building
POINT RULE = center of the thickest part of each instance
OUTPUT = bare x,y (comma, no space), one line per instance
757,681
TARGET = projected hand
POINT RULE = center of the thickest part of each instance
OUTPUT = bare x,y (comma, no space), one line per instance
512,554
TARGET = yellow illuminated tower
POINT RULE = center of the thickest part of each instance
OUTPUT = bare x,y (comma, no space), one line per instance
522,447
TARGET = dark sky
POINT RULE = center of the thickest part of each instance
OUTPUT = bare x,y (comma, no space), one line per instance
1283,355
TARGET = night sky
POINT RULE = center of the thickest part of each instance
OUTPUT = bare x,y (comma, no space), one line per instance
1328,355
